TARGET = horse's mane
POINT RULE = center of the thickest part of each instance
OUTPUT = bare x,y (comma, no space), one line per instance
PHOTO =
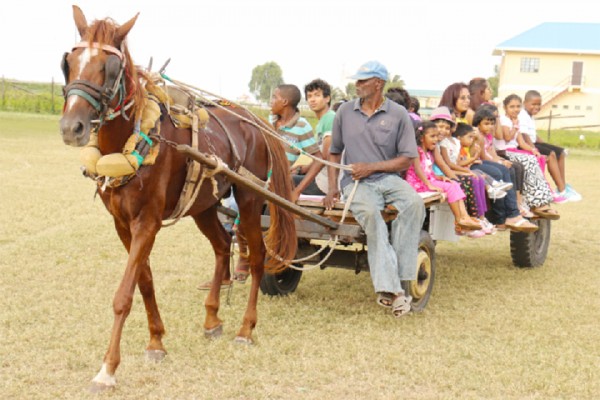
104,31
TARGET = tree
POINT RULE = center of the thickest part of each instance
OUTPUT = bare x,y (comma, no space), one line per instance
265,78
493,82
396,81
351,90
337,94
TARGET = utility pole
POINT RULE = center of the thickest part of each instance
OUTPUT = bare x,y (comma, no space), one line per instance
52,95
549,126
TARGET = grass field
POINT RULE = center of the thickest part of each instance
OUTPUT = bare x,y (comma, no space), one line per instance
490,330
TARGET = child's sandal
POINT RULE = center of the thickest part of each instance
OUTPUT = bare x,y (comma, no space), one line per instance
469,226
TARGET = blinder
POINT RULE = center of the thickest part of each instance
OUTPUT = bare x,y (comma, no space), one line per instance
99,97
64,66
112,72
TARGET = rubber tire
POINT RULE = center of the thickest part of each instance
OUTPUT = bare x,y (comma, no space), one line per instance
280,284
421,289
287,281
529,250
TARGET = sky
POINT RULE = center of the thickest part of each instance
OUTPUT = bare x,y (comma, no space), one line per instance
215,45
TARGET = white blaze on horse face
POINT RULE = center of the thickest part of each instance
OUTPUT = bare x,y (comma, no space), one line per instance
84,59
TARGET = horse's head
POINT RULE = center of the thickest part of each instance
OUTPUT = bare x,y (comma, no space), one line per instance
94,76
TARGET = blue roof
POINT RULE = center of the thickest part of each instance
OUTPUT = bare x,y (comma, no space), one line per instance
556,37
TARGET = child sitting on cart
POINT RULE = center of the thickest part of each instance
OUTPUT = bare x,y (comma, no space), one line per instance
421,177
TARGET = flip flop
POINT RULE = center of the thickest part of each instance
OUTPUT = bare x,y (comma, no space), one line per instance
522,226
207,285
527,214
401,306
240,276
385,299
469,226
547,213
501,227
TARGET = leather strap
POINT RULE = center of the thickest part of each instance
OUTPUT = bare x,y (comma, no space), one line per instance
188,193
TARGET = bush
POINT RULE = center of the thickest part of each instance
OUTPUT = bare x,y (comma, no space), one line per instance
30,97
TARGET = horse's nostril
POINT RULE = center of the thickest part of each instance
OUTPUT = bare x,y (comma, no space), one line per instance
78,129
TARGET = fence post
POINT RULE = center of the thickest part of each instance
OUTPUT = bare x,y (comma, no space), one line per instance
52,95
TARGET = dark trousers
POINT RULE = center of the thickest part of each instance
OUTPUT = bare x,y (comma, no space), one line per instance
507,206
547,148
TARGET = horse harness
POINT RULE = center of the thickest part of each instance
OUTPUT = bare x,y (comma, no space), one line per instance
98,96
186,110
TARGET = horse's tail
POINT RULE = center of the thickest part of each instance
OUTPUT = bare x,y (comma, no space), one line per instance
280,238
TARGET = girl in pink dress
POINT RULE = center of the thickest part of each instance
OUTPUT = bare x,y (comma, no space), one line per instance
421,177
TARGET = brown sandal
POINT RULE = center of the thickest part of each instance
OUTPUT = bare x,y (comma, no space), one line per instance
468,226
547,213
208,284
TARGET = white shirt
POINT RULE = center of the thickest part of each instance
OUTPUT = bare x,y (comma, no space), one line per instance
452,146
322,180
501,144
527,125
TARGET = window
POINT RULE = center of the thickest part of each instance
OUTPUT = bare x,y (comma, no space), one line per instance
565,107
554,106
588,108
577,107
529,64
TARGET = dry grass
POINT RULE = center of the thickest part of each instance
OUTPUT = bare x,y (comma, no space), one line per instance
490,330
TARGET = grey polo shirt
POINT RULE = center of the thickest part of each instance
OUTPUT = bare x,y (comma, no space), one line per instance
386,135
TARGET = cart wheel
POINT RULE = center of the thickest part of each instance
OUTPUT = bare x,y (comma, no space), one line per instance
530,249
420,289
280,284
287,281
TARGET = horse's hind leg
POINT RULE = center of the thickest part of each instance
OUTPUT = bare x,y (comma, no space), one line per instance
211,227
250,215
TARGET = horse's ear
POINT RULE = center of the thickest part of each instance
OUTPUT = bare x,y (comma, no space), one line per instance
124,29
80,20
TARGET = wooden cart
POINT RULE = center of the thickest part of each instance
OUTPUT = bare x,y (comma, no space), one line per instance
316,225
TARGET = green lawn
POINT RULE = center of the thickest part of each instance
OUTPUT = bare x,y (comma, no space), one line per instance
490,331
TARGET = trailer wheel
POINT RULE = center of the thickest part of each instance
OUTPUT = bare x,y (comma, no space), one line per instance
530,249
287,281
280,284
420,289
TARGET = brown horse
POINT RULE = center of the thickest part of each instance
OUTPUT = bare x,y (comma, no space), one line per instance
101,78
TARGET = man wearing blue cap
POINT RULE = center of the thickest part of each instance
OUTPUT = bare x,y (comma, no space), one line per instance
379,142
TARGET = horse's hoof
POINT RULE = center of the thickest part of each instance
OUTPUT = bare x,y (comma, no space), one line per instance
155,355
97,387
243,340
214,333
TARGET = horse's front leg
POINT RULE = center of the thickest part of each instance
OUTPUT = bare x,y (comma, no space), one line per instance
143,234
155,350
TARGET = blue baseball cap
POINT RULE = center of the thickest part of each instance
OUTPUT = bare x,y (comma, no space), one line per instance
371,69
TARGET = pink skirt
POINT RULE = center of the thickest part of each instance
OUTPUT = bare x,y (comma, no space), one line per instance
452,189
541,159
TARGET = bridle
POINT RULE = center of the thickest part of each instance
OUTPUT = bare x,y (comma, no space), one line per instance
100,97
